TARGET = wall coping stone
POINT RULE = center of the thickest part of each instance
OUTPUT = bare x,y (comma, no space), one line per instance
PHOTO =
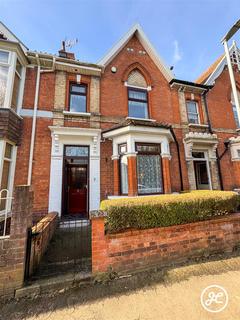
97,214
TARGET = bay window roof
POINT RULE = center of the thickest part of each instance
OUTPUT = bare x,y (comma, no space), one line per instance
142,123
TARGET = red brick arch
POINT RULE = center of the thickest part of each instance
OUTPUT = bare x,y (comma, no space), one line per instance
141,69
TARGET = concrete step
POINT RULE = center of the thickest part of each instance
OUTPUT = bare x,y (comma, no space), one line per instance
61,282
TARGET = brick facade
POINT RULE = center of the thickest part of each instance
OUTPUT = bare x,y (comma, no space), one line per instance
132,176
166,175
107,107
108,97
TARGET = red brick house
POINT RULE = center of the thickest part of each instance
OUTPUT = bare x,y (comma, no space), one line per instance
81,132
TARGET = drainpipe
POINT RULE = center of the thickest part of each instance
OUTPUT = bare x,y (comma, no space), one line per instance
34,121
179,157
211,131
34,124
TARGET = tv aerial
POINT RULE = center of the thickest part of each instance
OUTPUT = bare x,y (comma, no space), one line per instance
69,43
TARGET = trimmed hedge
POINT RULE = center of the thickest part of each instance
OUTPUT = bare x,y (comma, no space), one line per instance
167,210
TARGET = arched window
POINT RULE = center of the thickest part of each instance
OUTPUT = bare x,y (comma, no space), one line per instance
137,95
234,108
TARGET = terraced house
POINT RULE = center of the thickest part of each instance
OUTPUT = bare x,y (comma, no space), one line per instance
80,132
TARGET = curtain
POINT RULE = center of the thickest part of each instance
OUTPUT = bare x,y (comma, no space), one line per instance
124,175
149,174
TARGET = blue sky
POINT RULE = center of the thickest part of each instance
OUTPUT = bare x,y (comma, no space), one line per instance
186,33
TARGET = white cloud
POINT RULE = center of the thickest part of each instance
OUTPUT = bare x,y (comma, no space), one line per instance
177,56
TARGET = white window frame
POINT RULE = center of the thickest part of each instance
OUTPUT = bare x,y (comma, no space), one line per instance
11,64
236,119
197,108
21,77
134,88
5,63
12,165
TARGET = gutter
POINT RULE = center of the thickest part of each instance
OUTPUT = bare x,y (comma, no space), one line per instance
74,63
34,121
190,84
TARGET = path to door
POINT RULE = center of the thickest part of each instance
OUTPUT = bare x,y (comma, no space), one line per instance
69,250
178,297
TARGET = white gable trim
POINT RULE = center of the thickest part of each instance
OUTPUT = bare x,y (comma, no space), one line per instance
11,36
136,29
219,68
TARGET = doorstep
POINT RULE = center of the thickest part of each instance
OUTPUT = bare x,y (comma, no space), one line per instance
61,282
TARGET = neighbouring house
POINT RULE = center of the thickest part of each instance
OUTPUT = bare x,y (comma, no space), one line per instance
80,132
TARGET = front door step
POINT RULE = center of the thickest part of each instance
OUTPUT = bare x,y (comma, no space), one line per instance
60,282
68,223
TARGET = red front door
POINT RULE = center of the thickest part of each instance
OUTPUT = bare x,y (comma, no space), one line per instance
77,178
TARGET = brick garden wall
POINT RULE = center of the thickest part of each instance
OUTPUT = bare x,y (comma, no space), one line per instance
13,248
44,231
139,249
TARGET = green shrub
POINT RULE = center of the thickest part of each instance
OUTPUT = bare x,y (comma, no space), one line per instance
167,210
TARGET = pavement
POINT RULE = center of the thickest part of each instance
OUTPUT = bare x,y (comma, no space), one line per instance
172,294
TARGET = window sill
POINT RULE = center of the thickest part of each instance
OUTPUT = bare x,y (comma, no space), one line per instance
197,125
78,114
142,119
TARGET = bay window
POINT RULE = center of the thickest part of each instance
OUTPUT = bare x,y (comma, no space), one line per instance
11,76
149,169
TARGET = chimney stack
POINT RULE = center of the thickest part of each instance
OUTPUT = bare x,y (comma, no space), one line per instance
64,54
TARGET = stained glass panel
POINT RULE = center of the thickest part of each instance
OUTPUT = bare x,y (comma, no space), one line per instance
198,154
76,151
148,148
